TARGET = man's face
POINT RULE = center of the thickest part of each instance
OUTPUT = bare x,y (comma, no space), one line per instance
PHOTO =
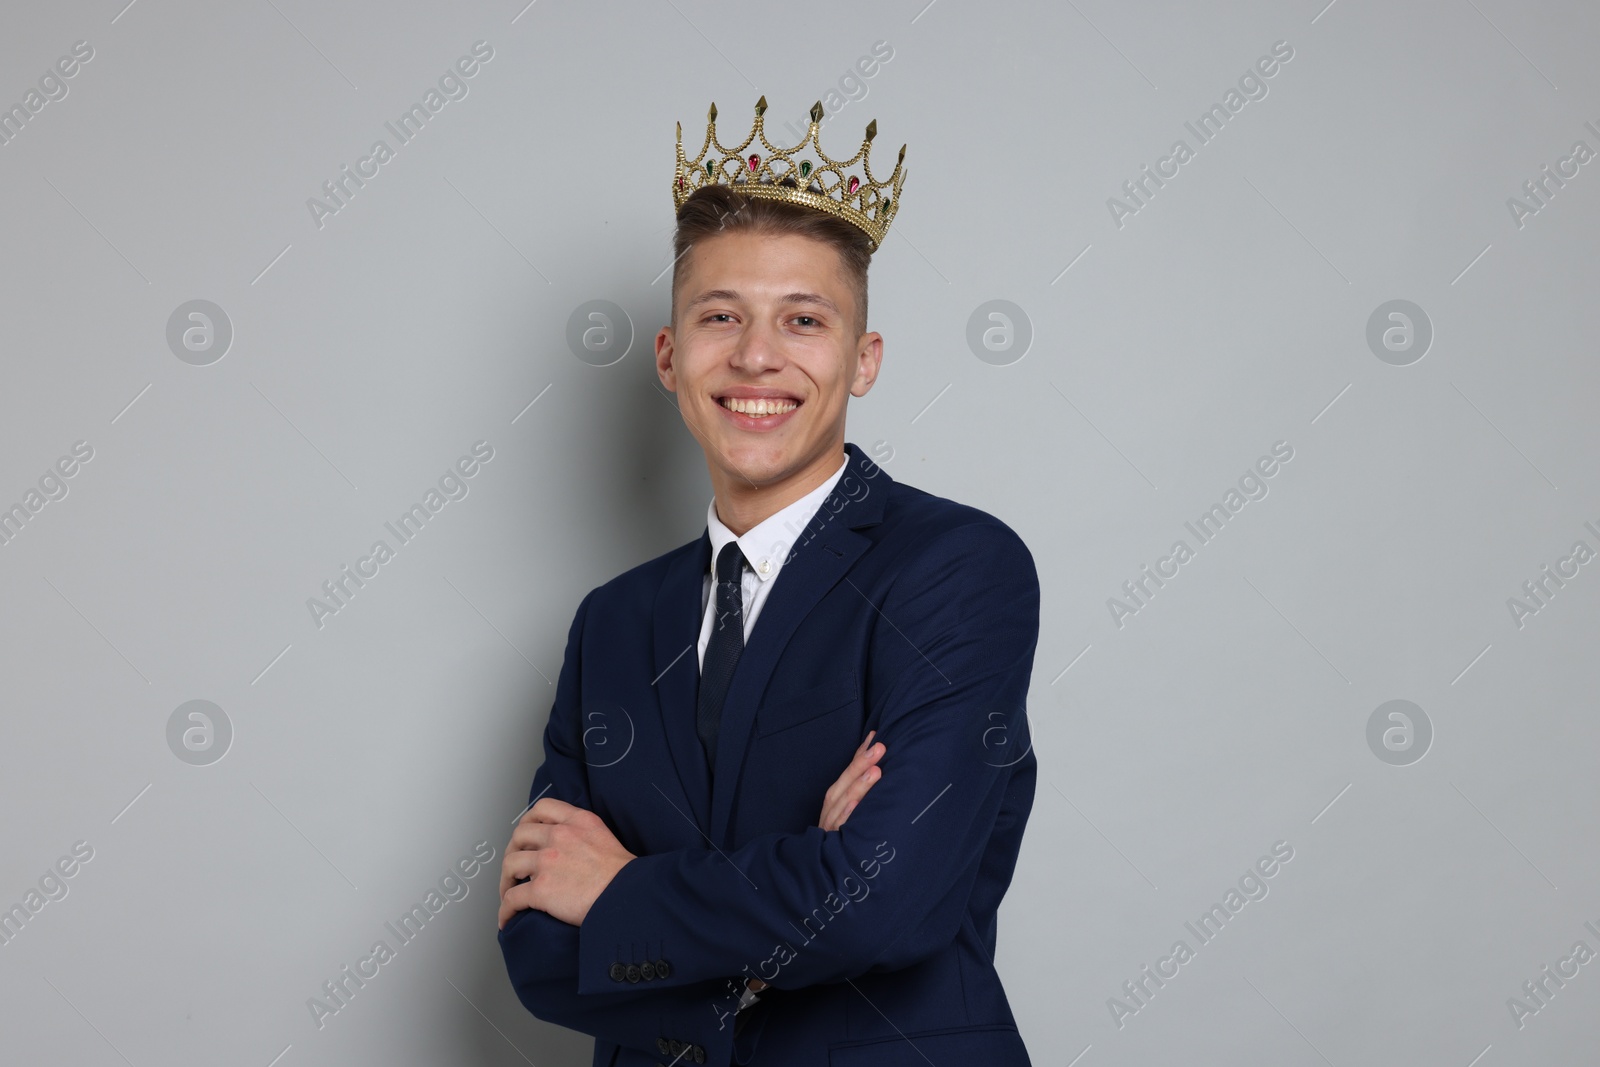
773,317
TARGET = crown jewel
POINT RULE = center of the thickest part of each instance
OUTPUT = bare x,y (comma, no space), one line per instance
777,173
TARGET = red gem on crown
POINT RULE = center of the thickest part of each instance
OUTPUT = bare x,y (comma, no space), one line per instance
855,183
754,161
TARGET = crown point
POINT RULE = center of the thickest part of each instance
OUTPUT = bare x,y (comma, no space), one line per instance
761,106
711,116
680,131
902,158
872,129
816,111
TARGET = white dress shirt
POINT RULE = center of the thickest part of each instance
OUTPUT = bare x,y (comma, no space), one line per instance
765,546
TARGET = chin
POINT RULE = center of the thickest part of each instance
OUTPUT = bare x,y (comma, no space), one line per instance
761,460
763,453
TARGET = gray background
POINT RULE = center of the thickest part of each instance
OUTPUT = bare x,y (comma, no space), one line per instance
1168,354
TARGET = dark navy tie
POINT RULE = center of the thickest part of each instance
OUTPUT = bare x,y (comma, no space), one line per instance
722,651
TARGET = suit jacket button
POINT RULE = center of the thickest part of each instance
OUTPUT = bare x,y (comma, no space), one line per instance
699,1054
662,1047
618,972
647,970
662,970
633,972
675,1046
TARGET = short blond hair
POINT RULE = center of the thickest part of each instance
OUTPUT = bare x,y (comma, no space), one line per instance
714,209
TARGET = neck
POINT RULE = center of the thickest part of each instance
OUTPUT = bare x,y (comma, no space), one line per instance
742,506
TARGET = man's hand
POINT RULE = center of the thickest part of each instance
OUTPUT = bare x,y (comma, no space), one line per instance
844,794
567,853
842,798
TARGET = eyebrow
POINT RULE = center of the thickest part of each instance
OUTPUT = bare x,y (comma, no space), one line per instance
712,295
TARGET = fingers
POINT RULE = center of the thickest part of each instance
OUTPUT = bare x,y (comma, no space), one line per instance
511,904
533,835
843,796
866,755
509,875
507,879
518,861
549,809
513,868
833,800
535,830
517,873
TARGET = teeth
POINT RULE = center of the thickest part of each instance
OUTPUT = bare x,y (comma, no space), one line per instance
758,408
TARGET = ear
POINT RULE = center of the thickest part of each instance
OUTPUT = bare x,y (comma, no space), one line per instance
664,353
869,359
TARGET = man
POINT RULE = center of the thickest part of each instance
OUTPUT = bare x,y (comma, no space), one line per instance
715,866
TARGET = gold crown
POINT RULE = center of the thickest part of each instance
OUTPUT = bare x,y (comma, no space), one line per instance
778,174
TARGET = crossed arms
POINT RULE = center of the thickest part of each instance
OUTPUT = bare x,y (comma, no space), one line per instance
962,623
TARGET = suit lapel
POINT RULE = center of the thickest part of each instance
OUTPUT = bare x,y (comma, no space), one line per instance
816,568
677,671
826,551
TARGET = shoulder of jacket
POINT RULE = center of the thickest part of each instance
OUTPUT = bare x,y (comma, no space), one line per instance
917,517
641,581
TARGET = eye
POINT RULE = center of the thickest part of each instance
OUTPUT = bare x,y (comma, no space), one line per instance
806,320
715,315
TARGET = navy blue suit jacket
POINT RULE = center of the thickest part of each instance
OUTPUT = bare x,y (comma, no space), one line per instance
897,611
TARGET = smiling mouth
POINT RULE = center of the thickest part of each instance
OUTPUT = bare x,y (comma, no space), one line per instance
758,409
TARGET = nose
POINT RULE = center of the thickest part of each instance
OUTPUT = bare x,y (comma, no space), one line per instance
757,349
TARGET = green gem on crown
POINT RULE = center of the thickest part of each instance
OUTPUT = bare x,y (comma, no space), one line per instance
805,168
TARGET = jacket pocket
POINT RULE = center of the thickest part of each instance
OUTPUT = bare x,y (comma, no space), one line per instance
808,704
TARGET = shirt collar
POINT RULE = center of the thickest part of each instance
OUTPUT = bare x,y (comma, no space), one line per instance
766,544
